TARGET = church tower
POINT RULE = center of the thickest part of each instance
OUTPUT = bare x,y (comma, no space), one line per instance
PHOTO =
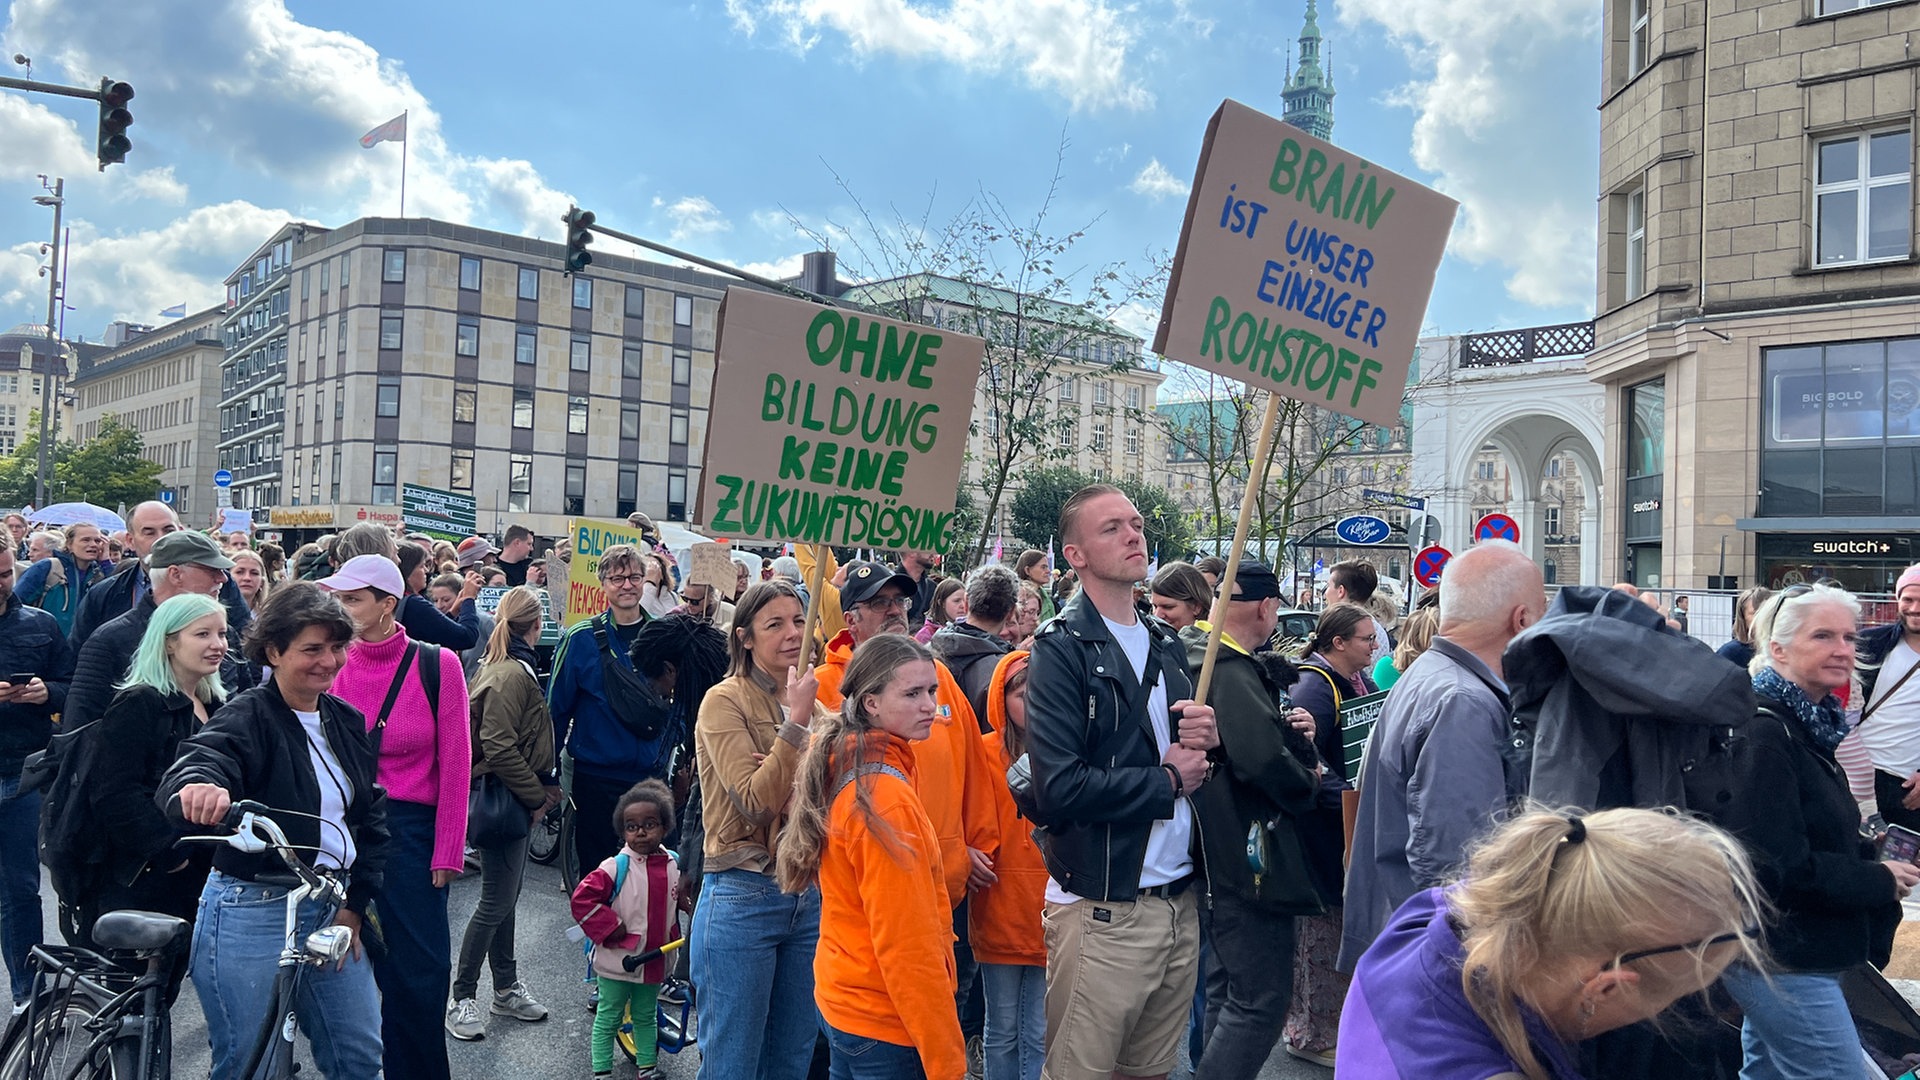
1309,90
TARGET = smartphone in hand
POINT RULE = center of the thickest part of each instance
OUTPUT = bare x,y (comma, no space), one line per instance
1901,845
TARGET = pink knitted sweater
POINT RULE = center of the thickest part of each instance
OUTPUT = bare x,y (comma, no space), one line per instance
423,759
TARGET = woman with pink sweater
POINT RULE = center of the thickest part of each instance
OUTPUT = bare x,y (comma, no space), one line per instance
392,680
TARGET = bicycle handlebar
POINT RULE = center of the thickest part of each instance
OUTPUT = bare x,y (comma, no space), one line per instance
255,833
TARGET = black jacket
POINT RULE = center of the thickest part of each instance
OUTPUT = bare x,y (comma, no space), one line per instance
1792,809
256,749
30,641
1266,774
120,766
424,622
1096,762
113,597
108,654
970,654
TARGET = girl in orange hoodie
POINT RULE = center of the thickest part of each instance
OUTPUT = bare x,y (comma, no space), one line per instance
1004,918
883,974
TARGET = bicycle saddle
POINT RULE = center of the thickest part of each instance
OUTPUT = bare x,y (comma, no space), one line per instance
138,931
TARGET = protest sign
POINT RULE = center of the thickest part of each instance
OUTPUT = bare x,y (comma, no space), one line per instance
445,514
835,426
711,564
487,602
233,521
1357,717
1302,269
590,538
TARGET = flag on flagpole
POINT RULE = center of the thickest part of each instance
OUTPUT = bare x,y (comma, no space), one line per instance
1049,554
998,551
394,130
177,311
1153,567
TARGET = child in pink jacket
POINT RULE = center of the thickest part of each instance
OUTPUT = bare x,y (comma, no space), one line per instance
628,906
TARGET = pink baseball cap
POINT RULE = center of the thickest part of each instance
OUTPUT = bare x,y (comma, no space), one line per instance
366,572
1909,576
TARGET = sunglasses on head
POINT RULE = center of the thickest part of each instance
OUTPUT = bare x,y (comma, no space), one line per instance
1691,946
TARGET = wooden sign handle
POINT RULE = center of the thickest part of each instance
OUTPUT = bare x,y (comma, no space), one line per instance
1256,479
814,588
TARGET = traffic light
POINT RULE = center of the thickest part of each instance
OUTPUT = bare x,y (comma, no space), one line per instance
114,121
579,223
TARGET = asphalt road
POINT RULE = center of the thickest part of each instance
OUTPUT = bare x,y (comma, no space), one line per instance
552,967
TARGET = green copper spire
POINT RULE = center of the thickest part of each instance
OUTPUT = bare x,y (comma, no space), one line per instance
1309,89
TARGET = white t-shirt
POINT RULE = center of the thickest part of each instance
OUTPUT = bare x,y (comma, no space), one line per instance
1891,735
1168,842
336,792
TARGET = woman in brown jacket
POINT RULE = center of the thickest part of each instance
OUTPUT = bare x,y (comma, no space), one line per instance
752,945
513,740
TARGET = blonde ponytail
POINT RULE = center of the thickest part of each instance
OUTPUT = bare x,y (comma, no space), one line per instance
519,612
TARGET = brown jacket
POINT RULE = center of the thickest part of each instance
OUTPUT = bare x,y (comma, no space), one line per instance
512,730
744,802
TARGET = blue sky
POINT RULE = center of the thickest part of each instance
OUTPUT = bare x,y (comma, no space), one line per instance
715,125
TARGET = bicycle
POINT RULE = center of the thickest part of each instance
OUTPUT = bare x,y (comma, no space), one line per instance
90,1018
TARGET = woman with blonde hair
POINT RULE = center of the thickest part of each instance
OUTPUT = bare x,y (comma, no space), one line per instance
1416,634
250,576
883,975
1563,927
513,747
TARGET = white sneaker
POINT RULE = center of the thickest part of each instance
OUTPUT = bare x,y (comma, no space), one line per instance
463,1020
514,1001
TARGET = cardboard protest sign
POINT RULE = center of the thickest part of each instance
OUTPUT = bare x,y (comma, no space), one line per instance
831,425
590,538
487,602
233,521
711,564
1357,717
1302,269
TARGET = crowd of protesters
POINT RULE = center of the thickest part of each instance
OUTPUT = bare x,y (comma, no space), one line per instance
993,824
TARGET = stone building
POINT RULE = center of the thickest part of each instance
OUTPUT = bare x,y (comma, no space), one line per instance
165,384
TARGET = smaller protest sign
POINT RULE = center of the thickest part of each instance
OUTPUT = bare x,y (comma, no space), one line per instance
1357,717
487,602
591,539
711,564
449,515
233,521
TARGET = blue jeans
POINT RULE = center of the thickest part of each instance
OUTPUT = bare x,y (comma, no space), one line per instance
1016,1033
416,972
856,1057
236,954
1798,1026
20,921
752,968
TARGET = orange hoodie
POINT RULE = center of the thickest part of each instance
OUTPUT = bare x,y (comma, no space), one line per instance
956,777
1004,918
884,966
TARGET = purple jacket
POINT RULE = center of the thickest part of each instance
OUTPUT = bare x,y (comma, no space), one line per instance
1407,1014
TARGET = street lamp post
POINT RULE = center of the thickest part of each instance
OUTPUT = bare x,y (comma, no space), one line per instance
41,471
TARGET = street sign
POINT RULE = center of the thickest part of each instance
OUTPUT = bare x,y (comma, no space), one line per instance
1497,527
222,479
446,514
1362,529
1429,563
166,496
1393,498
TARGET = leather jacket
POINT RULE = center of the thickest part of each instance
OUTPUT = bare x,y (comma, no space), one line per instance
1101,790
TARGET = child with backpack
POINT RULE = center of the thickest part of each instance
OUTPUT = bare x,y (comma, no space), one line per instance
628,906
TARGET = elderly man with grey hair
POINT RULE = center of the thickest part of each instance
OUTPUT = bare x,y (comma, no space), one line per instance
1433,780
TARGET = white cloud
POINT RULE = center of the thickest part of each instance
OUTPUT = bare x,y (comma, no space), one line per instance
1491,124
1077,49
1157,183
691,217
160,185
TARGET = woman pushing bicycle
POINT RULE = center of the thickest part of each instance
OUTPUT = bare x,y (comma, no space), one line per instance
293,746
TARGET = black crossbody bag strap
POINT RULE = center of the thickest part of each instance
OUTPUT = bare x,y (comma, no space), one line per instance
393,695
1881,699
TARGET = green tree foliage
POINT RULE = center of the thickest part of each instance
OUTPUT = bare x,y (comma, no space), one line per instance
1035,512
107,470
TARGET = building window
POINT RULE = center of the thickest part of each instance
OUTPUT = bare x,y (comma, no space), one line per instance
636,302
463,405
1069,432
683,311
1099,434
1133,440
324,267
469,272
386,465
394,267
677,429
346,267
631,356
387,399
529,283
1835,7
1102,389
676,496
335,476
1484,470
525,345
1636,243
390,323
1863,198
339,400
991,425
1133,397
1841,429
629,420
460,472
576,488
576,415
1551,524
583,292
682,367
580,354
1637,30
519,483
627,494
466,338
523,408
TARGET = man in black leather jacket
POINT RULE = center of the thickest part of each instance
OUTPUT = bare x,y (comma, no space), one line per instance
1111,769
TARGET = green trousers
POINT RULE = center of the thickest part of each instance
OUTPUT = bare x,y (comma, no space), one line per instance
618,998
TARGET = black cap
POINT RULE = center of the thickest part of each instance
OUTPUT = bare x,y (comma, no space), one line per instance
864,579
1254,580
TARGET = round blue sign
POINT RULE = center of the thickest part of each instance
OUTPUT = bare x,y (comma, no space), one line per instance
1362,530
223,478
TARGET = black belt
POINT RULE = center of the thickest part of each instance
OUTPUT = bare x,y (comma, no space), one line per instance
1170,890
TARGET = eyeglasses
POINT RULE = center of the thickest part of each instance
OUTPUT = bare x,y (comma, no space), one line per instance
885,603
1691,946
624,579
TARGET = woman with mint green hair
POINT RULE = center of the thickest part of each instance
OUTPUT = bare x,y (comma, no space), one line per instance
171,688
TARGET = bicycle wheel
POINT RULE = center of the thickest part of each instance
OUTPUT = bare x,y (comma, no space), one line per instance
58,1045
543,843
569,859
